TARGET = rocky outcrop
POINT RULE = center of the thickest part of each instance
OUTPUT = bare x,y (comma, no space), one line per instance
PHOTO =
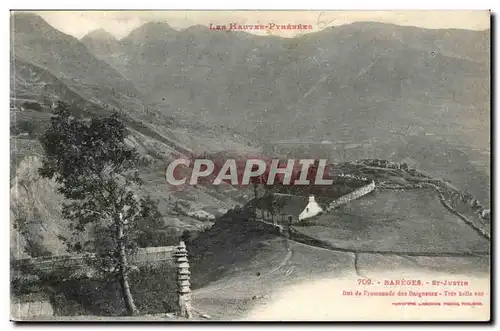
35,207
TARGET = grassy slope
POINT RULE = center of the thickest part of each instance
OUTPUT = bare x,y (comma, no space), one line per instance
239,265
404,221
237,278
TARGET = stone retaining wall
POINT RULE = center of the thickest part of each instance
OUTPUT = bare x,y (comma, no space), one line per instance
351,196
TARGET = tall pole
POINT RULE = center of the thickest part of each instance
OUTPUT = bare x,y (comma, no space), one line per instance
183,284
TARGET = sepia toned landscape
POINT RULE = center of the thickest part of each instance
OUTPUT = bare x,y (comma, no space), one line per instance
400,111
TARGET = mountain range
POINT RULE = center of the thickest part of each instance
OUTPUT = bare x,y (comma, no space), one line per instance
402,93
362,83
358,75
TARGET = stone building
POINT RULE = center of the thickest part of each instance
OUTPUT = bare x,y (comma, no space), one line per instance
289,208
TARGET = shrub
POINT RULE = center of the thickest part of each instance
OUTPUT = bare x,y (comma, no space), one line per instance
24,284
24,127
33,105
158,238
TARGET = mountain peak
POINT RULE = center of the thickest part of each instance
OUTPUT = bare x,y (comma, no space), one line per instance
27,17
99,34
26,22
196,29
151,31
101,42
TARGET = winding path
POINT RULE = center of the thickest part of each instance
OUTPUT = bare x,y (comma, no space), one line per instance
295,236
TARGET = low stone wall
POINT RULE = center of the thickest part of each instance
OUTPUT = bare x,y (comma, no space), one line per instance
143,256
451,193
351,196
153,254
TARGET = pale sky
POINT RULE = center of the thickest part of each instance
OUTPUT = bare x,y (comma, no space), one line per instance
120,23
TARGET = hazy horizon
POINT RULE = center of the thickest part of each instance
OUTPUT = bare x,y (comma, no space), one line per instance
121,23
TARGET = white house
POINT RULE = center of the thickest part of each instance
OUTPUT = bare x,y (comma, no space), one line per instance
312,209
291,208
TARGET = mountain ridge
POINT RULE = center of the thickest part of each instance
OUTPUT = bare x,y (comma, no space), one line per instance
202,91
57,67
358,82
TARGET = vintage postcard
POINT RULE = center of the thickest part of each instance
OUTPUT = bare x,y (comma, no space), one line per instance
250,165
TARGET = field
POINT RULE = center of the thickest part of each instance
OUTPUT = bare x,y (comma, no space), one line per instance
397,221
